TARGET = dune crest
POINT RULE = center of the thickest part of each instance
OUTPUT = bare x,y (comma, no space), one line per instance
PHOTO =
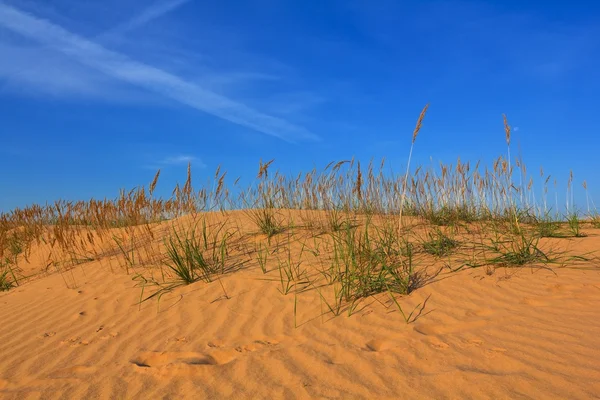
515,333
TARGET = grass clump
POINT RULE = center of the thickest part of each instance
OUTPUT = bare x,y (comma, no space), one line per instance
5,282
574,224
191,257
445,216
291,274
337,220
365,264
439,244
195,257
548,228
10,265
594,219
266,221
261,209
520,250
262,255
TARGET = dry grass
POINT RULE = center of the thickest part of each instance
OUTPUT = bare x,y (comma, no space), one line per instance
361,230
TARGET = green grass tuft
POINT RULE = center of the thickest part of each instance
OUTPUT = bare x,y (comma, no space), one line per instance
439,244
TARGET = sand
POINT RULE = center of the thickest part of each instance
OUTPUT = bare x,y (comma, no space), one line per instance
525,333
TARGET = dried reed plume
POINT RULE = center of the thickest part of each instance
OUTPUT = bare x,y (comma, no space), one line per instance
263,169
419,122
154,182
506,129
414,137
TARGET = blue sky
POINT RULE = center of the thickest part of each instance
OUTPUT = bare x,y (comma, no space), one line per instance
96,95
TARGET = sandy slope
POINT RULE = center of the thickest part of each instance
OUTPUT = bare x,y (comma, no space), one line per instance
515,334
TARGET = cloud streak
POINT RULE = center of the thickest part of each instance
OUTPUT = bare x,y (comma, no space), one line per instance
181,159
176,160
125,69
46,73
149,14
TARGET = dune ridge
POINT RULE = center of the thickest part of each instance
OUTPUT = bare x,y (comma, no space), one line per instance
529,332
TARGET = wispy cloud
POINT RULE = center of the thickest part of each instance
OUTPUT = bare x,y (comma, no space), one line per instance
182,159
121,67
176,160
154,11
42,72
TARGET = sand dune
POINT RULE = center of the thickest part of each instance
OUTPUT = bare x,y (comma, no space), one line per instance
517,333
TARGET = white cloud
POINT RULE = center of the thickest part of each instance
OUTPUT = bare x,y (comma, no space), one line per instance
182,159
43,72
149,14
122,68
174,161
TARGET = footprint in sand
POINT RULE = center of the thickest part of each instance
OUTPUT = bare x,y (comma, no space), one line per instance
79,315
153,359
533,302
377,345
561,288
77,371
256,345
489,352
172,362
498,349
182,339
427,329
74,342
494,352
483,312
442,329
438,344
110,335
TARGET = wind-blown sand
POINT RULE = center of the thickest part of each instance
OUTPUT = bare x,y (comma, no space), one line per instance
518,333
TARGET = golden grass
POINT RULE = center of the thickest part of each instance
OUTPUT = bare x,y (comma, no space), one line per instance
360,229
